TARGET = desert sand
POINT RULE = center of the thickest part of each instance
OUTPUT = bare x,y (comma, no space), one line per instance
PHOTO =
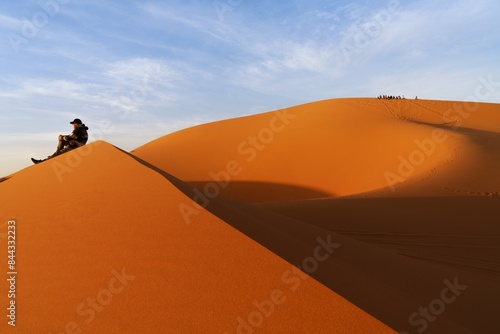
389,208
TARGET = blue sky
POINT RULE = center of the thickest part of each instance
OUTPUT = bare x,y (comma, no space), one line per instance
136,70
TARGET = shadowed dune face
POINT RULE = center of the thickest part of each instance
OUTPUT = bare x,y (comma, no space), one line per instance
462,232
430,235
105,248
246,191
329,148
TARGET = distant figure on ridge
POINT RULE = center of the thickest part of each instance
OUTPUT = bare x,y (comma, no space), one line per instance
77,138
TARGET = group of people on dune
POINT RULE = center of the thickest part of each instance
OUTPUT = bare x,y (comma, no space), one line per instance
391,97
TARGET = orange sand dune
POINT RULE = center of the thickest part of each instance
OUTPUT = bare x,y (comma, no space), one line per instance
332,148
472,168
366,273
420,185
154,242
104,245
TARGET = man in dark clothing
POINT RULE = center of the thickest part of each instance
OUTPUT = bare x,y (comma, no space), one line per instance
77,138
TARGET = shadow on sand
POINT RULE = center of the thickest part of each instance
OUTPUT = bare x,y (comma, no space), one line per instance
258,192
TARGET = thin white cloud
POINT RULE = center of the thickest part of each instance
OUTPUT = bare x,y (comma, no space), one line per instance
10,22
57,88
125,84
188,16
430,28
142,72
278,60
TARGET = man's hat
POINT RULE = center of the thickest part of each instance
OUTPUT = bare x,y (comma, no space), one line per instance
76,121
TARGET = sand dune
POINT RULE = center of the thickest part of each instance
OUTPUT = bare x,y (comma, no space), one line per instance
391,285
412,188
473,164
388,207
103,247
330,148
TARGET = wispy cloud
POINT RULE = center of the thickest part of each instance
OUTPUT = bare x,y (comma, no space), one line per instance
10,22
125,84
202,20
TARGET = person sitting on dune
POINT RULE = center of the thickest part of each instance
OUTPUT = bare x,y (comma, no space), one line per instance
77,138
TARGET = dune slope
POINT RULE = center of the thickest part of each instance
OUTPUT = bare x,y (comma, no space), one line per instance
330,148
104,247
366,274
420,185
